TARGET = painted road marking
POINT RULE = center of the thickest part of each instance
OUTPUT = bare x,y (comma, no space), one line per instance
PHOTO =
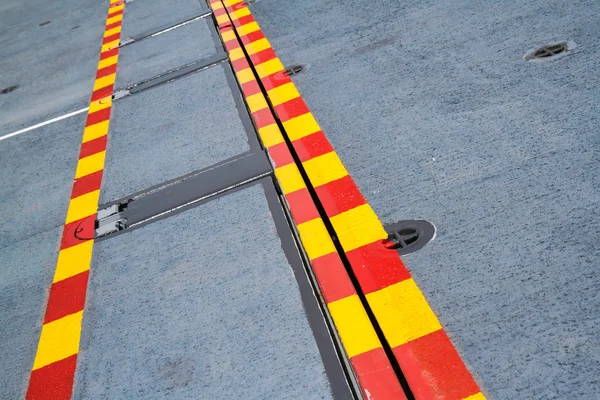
54,365
50,121
381,274
376,377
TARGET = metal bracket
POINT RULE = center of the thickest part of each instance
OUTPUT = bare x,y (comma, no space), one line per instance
109,220
119,94
126,41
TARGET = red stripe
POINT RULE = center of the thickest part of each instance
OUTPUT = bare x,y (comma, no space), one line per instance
280,155
78,232
262,56
434,369
263,118
102,92
252,37
243,20
114,14
275,80
93,146
113,25
111,69
312,146
111,38
291,109
376,376
237,6
219,12
54,381
376,267
98,116
301,206
232,45
87,184
339,196
250,88
240,64
109,53
332,277
66,297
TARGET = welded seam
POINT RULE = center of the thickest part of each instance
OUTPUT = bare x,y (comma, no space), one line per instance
174,74
143,36
54,365
417,342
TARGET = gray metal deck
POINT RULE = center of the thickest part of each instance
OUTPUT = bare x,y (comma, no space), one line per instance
437,116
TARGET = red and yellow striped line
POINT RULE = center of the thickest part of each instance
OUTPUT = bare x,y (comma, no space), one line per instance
375,374
53,369
432,366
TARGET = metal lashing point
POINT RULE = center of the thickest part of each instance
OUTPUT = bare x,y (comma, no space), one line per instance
409,236
294,69
549,51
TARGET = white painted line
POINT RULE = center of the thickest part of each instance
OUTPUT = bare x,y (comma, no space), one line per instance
44,123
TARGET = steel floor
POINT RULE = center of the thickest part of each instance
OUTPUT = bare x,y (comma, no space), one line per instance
437,116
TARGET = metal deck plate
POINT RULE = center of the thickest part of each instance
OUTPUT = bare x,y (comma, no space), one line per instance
171,130
142,16
156,55
203,304
437,116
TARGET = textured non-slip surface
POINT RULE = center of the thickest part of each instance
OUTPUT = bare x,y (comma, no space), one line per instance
437,116
208,308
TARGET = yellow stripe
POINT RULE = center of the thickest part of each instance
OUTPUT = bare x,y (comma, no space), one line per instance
95,131
101,104
107,62
233,2
324,169
283,93
245,76
236,54
222,19
259,45
110,45
477,396
83,206
270,135
315,238
112,31
242,12
358,227
90,164
402,312
269,67
73,260
216,5
289,178
228,35
353,325
114,19
59,340
249,27
256,102
104,81
301,126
